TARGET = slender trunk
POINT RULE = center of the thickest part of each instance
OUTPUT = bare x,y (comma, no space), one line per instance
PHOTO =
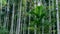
12,21
5,22
35,29
0,11
21,28
50,28
53,16
42,26
24,26
19,19
29,25
29,20
57,16
7,14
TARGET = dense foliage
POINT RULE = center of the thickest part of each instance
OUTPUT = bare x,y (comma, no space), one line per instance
39,16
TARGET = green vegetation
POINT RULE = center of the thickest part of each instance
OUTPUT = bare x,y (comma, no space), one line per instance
43,16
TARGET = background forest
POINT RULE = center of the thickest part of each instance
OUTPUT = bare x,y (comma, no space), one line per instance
29,16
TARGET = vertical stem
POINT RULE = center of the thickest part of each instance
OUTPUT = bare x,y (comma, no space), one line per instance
42,26
19,19
24,26
57,16
50,30
7,16
12,21
29,25
35,30
29,19
43,18
5,20
35,26
0,11
24,14
53,16
21,28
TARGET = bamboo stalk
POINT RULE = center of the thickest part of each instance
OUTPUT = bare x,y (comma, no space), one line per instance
50,28
12,21
0,12
53,16
29,19
19,19
57,16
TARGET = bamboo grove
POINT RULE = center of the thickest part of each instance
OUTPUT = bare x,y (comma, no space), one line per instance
29,16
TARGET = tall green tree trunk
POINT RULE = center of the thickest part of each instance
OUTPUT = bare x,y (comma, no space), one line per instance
0,11
12,21
50,26
18,30
57,16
